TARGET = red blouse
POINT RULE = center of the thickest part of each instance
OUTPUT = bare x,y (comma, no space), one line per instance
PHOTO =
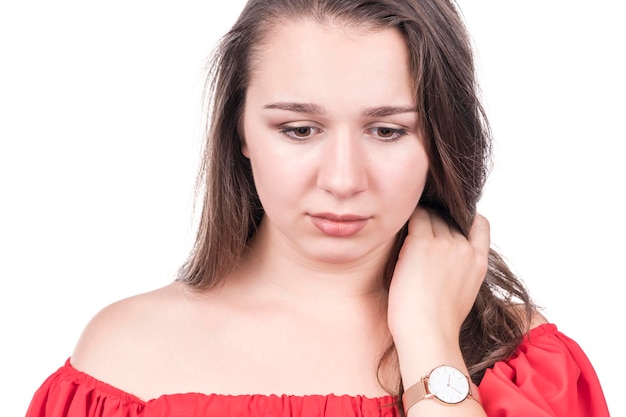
549,375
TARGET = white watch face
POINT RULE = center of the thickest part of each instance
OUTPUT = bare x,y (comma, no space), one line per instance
448,384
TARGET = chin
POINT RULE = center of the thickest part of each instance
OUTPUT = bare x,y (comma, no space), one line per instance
340,254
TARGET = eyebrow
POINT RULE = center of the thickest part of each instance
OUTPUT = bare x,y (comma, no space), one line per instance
388,111
297,107
315,109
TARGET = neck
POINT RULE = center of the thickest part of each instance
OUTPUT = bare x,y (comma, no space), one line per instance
275,269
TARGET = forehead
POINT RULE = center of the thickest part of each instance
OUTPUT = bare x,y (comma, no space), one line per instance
332,60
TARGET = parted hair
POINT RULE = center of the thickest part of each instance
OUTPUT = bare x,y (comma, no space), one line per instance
456,134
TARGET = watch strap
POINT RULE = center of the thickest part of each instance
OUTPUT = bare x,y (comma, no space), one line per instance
414,393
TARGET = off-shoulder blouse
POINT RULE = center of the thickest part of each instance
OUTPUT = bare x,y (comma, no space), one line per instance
549,375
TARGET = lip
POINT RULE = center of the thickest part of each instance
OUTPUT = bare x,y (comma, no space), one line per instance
339,225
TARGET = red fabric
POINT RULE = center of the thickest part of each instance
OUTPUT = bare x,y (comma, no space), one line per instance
71,393
548,376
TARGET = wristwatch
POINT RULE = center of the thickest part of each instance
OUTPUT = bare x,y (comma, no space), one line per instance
445,383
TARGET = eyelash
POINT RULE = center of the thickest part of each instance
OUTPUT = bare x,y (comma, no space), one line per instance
397,133
289,132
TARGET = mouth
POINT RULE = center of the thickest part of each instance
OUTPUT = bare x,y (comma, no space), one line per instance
339,225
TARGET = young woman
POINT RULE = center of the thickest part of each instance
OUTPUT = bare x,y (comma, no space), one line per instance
340,267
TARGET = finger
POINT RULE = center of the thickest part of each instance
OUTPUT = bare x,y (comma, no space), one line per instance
441,228
480,234
420,223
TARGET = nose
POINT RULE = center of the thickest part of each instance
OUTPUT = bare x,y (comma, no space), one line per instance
343,167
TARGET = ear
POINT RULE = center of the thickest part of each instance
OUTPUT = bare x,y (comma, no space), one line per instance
245,151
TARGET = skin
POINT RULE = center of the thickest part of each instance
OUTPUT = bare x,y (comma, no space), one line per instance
309,280
336,156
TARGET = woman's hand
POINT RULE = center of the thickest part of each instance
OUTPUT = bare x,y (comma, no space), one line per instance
435,282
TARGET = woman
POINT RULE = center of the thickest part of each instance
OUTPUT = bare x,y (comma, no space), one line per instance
340,266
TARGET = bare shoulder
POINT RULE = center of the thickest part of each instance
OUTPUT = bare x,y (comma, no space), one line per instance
536,318
129,336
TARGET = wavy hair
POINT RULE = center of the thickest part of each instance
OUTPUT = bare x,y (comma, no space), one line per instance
456,134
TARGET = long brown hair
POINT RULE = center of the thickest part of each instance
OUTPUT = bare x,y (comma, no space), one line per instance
457,137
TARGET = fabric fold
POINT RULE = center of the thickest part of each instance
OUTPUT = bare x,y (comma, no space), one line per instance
548,376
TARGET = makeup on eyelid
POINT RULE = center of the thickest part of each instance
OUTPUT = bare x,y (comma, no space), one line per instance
301,133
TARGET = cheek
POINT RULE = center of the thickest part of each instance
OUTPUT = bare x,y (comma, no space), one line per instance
408,194
403,189
407,202
278,181
405,178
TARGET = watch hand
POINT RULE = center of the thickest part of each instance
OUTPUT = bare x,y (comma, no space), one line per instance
452,386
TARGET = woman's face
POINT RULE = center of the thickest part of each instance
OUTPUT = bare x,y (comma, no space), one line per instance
332,135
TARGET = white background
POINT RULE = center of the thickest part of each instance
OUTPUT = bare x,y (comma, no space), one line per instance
99,131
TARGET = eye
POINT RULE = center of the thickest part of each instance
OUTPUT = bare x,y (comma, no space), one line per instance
385,133
298,132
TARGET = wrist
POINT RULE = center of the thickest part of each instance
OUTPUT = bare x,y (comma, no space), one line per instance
418,359
444,384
